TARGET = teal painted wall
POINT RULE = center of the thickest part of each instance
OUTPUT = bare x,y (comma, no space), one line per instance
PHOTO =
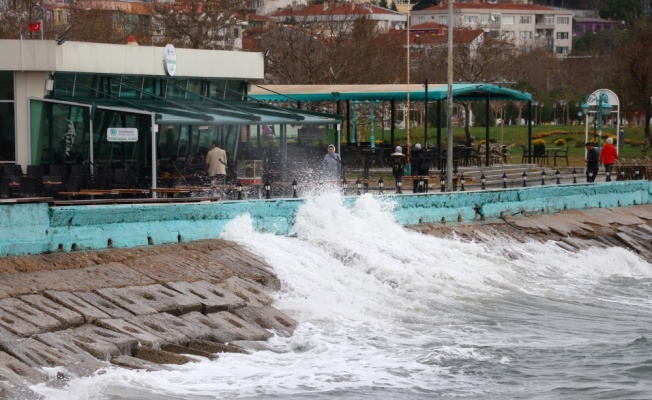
34,228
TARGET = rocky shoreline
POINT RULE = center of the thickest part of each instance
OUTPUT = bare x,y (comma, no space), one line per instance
140,308
148,307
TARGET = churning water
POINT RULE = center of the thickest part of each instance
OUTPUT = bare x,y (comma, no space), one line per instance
388,313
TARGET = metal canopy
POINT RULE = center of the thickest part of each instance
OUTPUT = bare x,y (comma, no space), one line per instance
461,92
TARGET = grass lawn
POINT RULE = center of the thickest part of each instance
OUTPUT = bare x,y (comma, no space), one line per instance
518,135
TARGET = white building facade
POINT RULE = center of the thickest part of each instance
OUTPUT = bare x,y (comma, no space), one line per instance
527,26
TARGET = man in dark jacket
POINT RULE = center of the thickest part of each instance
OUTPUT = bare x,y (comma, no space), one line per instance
592,162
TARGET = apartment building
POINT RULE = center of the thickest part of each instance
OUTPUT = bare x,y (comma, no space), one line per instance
527,26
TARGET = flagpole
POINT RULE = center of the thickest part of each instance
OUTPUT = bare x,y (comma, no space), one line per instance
41,22
407,116
449,108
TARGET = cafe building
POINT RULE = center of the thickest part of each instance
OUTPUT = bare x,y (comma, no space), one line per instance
107,106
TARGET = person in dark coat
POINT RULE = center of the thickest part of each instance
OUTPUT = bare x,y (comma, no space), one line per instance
398,165
592,162
420,166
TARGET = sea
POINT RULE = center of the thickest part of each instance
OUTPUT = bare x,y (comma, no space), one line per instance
388,313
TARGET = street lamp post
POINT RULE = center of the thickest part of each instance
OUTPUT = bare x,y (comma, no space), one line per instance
563,104
603,108
535,104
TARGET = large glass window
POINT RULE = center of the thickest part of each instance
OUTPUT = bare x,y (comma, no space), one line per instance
7,117
60,133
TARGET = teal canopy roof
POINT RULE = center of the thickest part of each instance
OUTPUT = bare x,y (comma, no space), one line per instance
461,92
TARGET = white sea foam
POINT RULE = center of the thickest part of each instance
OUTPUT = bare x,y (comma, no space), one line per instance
384,307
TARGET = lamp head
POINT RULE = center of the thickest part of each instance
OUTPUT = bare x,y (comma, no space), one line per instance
586,107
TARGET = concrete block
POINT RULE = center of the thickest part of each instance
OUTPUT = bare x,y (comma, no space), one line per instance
176,349
27,312
135,363
127,300
67,317
268,318
17,326
141,299
76,304
144,336
161,357
213,347
7,336
104,305
57,352
170,329
251,293
213,297
101,343
228,327
15,375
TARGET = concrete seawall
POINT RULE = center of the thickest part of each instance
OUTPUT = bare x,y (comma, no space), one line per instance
36,228
153,292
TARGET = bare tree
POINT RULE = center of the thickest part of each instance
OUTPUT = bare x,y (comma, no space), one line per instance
633,64
197,24
16,15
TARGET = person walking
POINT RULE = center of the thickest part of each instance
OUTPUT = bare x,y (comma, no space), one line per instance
332,164
398,166
420,168
216,164
592,162
608,156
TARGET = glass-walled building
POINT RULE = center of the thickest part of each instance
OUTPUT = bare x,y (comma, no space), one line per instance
119,106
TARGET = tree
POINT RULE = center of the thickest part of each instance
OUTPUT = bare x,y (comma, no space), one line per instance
350,51
621,10
16,15
383,4
423,4
632,63
197,24
393,7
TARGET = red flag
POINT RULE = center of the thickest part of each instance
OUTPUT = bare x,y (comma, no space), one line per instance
35,27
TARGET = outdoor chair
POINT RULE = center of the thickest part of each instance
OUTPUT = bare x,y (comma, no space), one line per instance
540,154
36,171
561,154
526,154
29,186
5,188
120,179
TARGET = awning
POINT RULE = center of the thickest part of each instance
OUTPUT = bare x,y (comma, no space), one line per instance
307,93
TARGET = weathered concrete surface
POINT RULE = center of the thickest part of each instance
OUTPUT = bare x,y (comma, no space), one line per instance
136,308
628,227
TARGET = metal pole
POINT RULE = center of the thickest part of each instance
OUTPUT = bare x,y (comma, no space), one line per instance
449,98
486,134
425,115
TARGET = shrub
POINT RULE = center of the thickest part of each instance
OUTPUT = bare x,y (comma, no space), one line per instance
539,142
560,142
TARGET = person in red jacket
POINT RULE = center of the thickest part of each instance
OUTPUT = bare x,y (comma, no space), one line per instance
608,155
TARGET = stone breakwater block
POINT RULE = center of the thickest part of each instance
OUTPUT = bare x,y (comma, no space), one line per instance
144,336
176,349
67,317
6,336
103,344
202,326
25,311
15,374
168,328
104,305
213,298
58,353
245,264
161,357
153,297
17,325
268,318
173,266
126,300
231,327
212,347
135,363
250,292
76,304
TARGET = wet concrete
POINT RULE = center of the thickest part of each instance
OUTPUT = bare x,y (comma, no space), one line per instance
141,308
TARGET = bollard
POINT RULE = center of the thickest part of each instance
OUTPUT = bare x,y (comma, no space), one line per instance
381,185
462,182
294,188
543,177
344,186
574,175
608,174
483,181
358,185
524,179
504,180
558,175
